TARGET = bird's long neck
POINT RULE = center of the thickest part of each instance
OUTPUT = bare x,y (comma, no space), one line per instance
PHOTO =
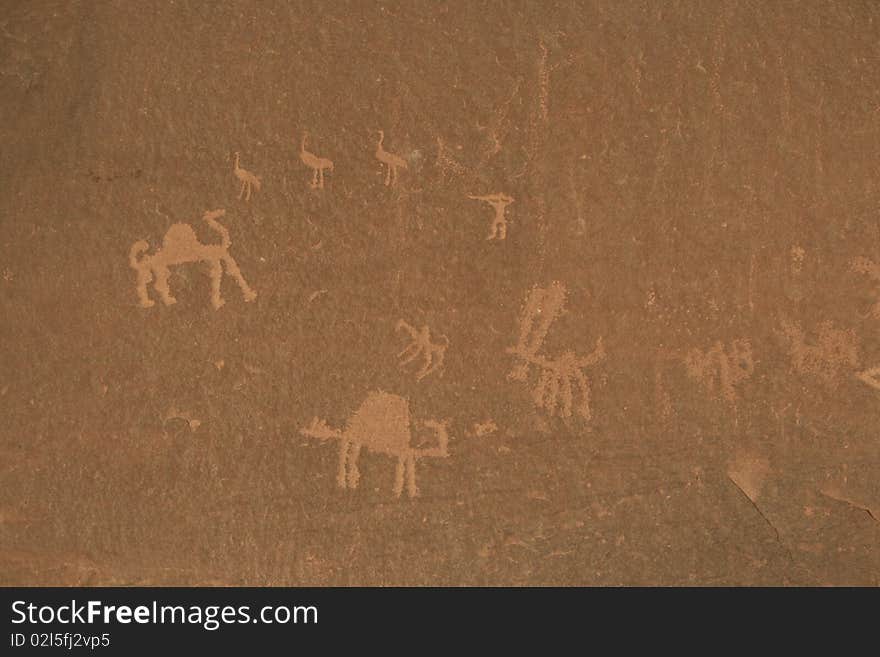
302,144
236,161
381,139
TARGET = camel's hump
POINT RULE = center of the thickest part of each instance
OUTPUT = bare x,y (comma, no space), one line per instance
381,414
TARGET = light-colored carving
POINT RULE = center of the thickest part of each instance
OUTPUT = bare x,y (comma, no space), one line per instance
245,177
560,376
176,414
179,246
317,164
870,377
421,344
499,201
449,166
382,424
872,270
833,350
721,367
391,161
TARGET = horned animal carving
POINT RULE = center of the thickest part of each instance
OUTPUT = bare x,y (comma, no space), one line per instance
179,246
382,425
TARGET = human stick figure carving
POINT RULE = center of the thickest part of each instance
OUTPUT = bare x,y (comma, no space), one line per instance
559,376
179,246
382,424
247,179
499,201
421,344
872,270
728,366
391,161
317,164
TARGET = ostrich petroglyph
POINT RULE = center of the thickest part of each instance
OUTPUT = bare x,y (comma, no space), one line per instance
317,164
247,179
499,201
560,376
382,424
421,344
390,160
179,246
728,366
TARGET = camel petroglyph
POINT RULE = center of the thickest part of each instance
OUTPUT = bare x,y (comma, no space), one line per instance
382,424
561,375
179,246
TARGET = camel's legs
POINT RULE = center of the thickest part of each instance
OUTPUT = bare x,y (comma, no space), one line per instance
354,474
540,390
398,476
161,285
567,396
321,178
552,395
233,270
584,407
216,273
343,457
493,231
411,489
248,195
502,229
144,277
314,179
241,190
388,175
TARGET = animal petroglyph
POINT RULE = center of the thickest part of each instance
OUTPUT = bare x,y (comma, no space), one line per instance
872,270
833,350
560,376
722,367
391,161
175,414
179,246
382,424
317,164
870,377
449,166
421,345
499,201
245,177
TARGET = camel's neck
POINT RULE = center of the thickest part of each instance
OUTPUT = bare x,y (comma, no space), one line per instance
302,144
